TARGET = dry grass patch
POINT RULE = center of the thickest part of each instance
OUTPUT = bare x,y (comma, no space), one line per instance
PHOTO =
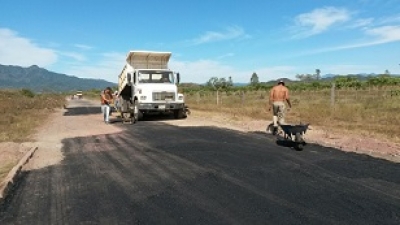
372,112
5,169
23,111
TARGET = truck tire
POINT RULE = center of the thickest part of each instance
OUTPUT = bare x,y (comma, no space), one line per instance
178,114
127,118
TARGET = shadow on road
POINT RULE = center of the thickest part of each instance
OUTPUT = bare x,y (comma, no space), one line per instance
279,140
86,110
156,117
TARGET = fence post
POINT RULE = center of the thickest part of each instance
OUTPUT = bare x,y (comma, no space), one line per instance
243,97
217,97
333,95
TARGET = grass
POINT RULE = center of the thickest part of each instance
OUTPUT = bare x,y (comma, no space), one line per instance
372,112
5,169
22,112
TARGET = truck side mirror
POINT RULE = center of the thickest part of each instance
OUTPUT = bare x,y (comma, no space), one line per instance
178,78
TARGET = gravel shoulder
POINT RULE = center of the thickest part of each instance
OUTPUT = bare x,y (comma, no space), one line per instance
48,139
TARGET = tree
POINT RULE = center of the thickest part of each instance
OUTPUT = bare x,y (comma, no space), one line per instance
387,72
212,82
254,79
219,83
317,74
305,77
230,82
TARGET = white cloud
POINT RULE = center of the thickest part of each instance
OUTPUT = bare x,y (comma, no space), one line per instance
389,20
377,36
74,55
83,47
361,23
344,69
213,36
107,68
385,34
202,70
319,20
226,55
275,72
16,50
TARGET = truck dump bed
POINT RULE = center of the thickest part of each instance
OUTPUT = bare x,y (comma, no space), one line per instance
142,60
148,60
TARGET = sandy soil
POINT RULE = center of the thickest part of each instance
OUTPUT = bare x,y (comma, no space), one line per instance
49,136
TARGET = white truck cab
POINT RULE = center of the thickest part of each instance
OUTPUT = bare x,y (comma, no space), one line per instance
147,85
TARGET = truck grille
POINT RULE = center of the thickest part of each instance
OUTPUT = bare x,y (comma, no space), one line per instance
159,96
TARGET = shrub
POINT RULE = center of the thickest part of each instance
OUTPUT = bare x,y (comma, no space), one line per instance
27,93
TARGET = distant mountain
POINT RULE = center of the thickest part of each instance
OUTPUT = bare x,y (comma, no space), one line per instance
274,82
240,84
41,80
361,76
328,76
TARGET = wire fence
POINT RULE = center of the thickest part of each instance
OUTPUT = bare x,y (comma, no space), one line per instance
373,110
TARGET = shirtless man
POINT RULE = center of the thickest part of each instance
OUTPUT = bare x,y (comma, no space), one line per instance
277,98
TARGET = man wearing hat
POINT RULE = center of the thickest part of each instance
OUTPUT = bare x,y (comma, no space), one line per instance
278,96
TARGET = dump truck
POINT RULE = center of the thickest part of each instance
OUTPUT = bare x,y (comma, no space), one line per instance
79,94
146,85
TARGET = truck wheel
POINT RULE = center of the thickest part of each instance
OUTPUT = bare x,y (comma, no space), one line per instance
127,118
178,114
299,142
299,146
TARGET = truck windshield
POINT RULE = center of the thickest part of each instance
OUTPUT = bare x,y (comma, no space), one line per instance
156,77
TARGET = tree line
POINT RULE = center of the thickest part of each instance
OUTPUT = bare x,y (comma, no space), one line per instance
303,82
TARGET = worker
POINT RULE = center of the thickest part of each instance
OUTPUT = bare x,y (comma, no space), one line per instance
106,100
279,94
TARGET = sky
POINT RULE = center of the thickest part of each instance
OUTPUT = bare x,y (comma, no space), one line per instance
207,38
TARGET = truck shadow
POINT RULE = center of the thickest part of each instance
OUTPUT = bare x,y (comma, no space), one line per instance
87,110
158,117
116,118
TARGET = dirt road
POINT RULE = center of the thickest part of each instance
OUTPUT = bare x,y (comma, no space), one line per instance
164,171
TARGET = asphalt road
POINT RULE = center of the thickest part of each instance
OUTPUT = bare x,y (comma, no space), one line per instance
154,173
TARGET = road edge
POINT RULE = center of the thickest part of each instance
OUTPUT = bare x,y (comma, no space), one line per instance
11,179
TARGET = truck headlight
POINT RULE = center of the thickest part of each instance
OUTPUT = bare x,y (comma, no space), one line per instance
143,97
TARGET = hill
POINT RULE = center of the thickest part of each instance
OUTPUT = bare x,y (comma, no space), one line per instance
41,80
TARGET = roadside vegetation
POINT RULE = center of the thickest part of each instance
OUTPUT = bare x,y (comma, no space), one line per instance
345,104
23,111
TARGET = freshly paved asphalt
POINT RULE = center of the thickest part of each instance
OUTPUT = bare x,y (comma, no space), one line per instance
153,173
